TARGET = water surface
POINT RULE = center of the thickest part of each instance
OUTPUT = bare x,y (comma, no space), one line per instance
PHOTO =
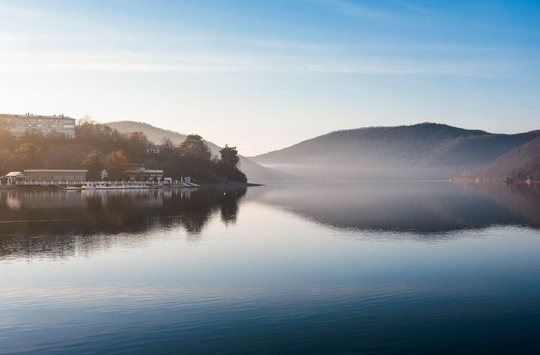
314,268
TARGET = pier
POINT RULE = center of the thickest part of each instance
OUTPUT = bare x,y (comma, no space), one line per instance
97,185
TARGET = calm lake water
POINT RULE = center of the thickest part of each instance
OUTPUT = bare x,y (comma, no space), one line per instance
417,267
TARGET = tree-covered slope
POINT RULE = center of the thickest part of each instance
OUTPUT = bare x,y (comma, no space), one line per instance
521,164
421,151
253,171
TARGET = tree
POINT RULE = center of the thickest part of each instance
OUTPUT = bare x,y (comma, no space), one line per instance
31,156
226,166
229,156
136,145
194,148
6,138
7,159
85,119
92,162
116,164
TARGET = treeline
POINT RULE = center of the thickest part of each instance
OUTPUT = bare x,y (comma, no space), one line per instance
98,146
528,172
421,151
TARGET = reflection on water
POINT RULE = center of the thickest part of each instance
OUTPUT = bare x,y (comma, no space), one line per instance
284,269
423,207
56,223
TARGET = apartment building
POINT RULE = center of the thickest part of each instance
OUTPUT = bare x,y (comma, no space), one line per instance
18,124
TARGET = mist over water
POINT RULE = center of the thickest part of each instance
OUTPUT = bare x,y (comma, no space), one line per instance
373,267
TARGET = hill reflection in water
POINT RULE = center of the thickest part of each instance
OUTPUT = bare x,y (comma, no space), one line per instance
344,268
61,224
408,206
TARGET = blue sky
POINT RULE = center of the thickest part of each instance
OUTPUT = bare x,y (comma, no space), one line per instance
265,74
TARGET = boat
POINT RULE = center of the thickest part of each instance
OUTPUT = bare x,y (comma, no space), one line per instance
73,188
113,186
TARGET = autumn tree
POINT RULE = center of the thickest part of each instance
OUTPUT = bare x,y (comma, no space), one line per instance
30,155
136,145
99,135
7,161
116,164
93,163
7,141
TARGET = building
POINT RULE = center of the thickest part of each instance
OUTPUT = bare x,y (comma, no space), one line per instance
12,178
55,175
44,175
19,124
154,149
139,173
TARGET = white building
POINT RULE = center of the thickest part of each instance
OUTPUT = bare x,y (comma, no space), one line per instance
44,175
18,124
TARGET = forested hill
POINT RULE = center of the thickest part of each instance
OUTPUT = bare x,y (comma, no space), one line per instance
520,164
253,171
154,134
421,151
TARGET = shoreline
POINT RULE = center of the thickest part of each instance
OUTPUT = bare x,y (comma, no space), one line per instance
232,184
23,188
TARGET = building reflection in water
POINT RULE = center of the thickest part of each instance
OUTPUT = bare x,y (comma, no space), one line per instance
58,224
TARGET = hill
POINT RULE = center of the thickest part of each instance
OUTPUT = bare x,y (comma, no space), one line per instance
253,171
522,163
421,151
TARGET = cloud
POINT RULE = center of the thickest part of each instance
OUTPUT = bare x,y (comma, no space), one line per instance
361,11
165,62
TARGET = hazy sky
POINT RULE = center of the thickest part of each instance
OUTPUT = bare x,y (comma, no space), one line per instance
265,74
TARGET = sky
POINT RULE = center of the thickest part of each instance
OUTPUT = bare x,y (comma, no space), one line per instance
262,75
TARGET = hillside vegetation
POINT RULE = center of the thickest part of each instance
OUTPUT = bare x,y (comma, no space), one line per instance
98,146
421,151
520,164
254,172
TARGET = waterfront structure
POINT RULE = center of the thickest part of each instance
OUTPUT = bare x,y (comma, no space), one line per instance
139,172
19,124
11,178
55,175
44,175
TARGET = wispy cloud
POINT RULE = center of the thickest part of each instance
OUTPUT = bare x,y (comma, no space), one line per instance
114,49
129,61
13,11
353,9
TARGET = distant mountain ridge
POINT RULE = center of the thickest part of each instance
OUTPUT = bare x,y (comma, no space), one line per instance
421,151
253,171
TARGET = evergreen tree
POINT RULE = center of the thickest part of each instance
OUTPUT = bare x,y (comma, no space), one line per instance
194,148
229,156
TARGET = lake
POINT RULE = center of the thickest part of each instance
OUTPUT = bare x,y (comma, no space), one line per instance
344,267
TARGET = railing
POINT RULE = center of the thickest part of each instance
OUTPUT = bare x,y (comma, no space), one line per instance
79,183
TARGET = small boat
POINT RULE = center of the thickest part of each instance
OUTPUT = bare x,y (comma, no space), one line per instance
113,186
73,188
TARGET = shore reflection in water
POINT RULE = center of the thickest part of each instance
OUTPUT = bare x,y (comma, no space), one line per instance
345,267
54,222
